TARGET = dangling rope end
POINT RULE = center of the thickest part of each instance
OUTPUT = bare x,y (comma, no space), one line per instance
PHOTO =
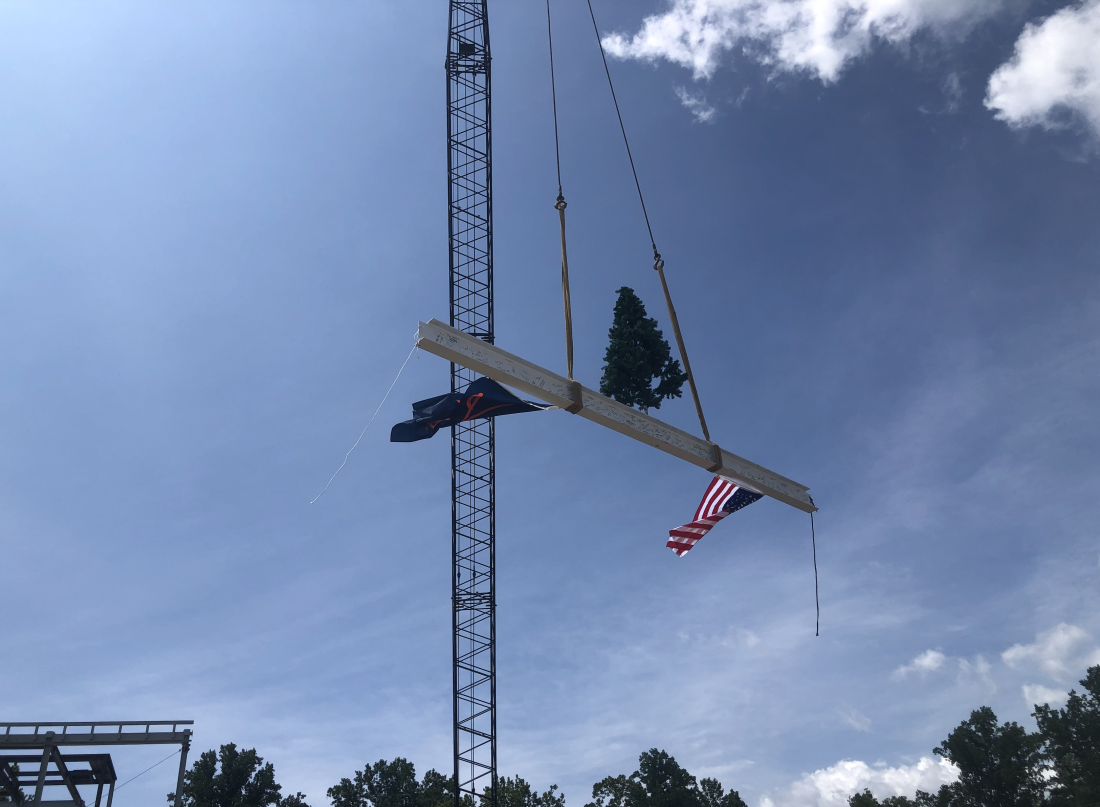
817,599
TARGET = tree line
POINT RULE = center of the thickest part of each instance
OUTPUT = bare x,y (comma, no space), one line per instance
1005,764
232,778
1000,765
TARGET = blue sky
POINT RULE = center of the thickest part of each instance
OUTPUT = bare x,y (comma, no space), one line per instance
220,223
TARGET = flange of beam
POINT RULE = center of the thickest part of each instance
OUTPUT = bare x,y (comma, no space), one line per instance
24,741
506,368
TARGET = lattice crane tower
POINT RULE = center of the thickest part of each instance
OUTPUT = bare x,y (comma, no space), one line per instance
473,454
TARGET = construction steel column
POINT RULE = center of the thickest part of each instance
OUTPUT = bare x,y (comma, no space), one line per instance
473,486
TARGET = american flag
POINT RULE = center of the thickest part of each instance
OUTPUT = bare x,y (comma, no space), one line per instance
722,498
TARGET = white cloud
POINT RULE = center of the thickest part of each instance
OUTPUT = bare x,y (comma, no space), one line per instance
1054,73
1058,652
833,785
860,722
1037,694
926,662
952,92
978,669
748,637
818,37
697,105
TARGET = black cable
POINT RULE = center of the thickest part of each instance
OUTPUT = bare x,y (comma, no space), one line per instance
817,599
637,184
554,96
132,778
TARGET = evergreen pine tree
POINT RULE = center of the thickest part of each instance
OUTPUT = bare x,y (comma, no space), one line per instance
638,354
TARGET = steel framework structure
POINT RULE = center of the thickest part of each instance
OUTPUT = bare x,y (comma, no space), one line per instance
59,770
473,485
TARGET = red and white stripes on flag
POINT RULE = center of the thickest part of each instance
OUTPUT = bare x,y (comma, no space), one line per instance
722,498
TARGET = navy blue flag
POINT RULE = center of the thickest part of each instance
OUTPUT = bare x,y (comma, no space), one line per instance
484,398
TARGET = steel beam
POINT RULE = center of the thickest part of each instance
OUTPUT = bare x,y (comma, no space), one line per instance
520,374
158,732
41,783
126,738
66,779
9,783
183,767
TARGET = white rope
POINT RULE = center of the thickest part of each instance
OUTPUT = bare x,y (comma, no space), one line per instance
376,411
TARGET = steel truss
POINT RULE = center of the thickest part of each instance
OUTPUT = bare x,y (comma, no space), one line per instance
473,486
17,776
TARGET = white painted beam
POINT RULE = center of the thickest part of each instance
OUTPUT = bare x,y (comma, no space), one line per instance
506,368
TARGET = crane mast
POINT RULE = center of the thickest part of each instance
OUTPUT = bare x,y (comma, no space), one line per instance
473,453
